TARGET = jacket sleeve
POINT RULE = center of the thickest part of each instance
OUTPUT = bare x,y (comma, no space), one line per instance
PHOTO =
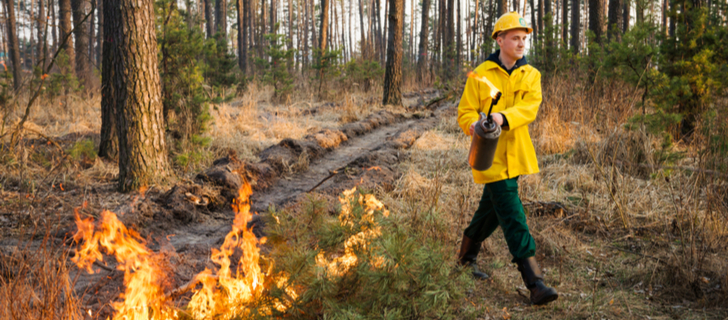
524,112
469,106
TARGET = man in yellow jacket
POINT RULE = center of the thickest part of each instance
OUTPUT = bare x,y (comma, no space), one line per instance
520,87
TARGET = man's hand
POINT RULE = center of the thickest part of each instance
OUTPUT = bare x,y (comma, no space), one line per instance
472,128
498,118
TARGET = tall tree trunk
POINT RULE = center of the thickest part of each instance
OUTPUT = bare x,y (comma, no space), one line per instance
322,40
100,32
575,25
458,42
541,24
673,24
393,72
64,13
534,24
289,45
242,37
596,19
565,23
502,7
80,32
362,41
221,18
55,27
614,20
422,55
664,17
209,20
273,16
136,93
412,32
42,39
352,46
625,15
109,145
306,39
92,34
13,46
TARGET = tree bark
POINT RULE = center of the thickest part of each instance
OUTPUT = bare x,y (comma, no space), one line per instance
393,72
539,36
422,74
109,145
221,18
596,19
13,46
42,39
575,26
565,23
80,32
64,13
534,23
273,16
242,37
209,23
362,41
502,7
664,17
615,20
324,26
134,78
625,15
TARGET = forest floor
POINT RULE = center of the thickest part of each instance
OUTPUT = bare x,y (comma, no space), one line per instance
411,158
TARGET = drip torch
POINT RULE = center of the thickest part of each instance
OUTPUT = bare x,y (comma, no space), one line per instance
486,133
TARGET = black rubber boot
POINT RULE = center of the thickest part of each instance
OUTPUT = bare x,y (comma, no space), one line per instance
532,277
467,257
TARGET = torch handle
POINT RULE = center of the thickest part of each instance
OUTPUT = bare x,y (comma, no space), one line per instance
493,102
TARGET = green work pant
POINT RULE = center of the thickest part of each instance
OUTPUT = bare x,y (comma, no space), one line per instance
501,206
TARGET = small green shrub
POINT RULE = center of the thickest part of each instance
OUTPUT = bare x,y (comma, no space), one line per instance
83,150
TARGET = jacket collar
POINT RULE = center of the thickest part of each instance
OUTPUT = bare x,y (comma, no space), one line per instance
495,58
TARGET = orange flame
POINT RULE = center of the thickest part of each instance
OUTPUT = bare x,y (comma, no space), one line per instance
493,90
340,265
222,292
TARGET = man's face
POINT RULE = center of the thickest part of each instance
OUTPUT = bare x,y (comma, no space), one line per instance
513,43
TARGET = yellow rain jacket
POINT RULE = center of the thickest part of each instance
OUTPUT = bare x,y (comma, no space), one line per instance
519,103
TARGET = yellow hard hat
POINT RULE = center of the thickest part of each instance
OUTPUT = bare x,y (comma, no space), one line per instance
509,21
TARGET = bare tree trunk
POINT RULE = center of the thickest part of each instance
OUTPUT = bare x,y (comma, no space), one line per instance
221,18
596,19
91,34
575,25
13,46
393,72
242,37
136,93
541,30
615,20
352,46
55,27
412,32
290,33
625,15
673,24
664,17
362,41
109,145
305,36
474,30
458,42
80,32
534,24
273,16
41,26
65,34
502,7
565,23
209,20
324,26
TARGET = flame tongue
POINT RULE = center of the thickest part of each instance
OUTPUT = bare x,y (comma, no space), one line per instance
493,90
223,293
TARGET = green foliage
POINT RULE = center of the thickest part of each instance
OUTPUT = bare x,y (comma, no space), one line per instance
399,271
327,65
61,83
83,150
362,73
221,65
186,103
276,64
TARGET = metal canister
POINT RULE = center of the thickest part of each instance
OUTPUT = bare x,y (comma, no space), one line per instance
485,140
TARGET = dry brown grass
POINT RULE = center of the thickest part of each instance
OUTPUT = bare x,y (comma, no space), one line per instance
35,283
